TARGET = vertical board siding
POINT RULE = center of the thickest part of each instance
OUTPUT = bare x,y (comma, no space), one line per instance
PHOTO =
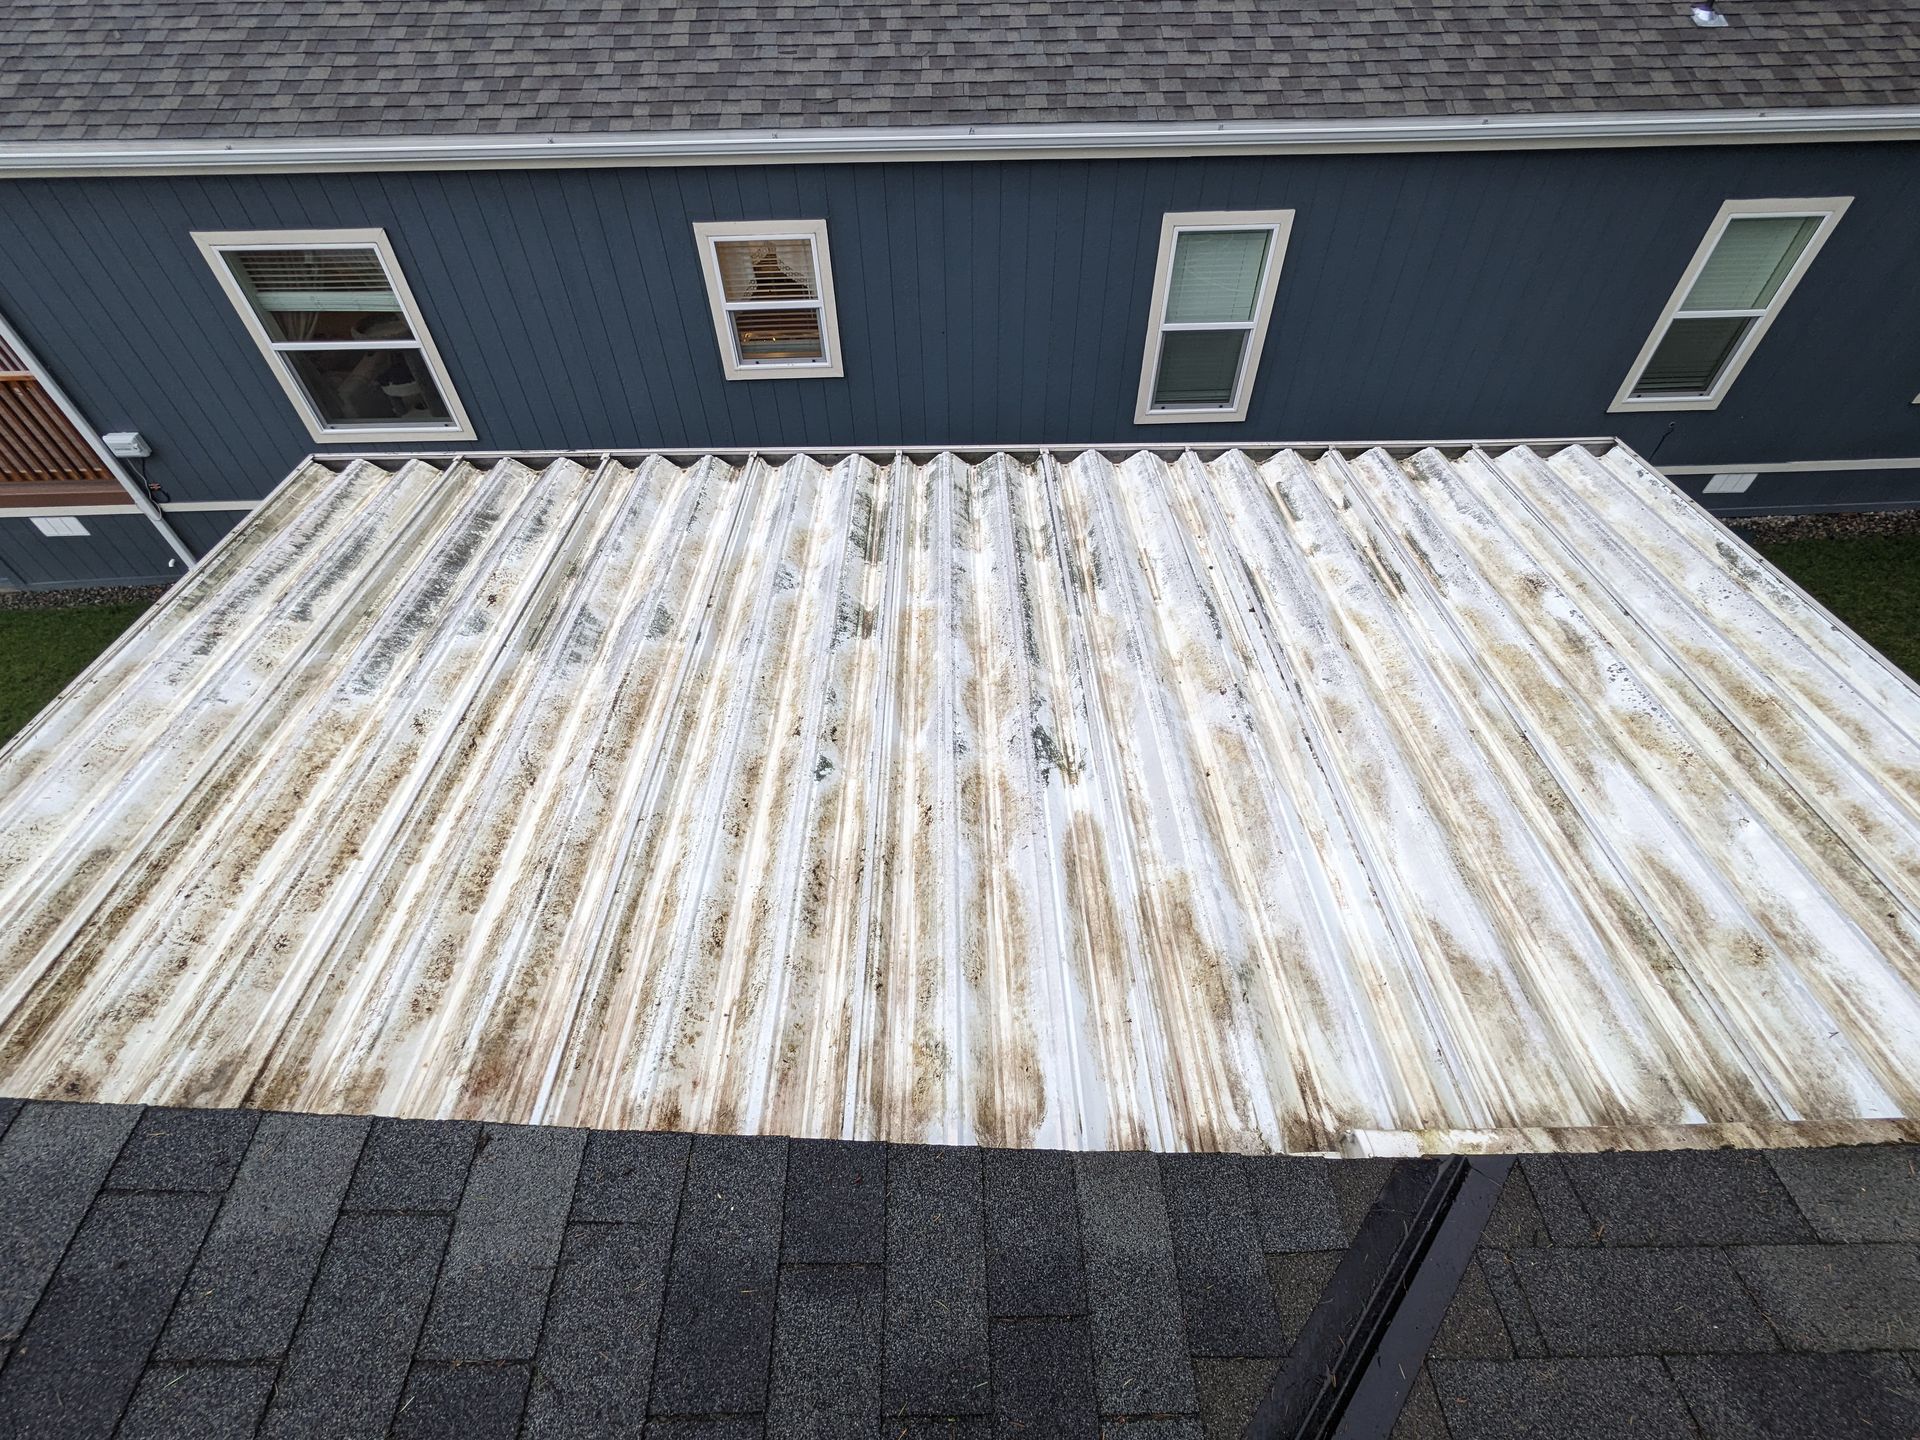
1461,295
1780,492
116,550
201,530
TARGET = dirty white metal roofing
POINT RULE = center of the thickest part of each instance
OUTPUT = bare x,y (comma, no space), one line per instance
1299,802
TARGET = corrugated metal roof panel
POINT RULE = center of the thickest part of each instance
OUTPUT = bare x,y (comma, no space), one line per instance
1350,800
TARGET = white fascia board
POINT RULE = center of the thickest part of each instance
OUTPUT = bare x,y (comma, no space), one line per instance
25,159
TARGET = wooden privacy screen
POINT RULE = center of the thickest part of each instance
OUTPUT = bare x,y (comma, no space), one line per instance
44,461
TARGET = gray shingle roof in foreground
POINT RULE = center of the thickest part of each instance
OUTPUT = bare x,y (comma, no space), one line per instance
187,69
1584,1317
451,1279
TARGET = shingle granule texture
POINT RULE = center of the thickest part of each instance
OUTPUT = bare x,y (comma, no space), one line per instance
194,69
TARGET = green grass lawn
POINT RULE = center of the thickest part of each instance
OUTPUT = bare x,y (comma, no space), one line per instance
1871,581
41,650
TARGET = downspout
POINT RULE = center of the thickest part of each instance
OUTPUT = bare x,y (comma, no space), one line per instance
136,492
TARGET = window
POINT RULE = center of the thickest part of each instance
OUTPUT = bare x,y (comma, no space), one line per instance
770,283
1212,293
333,315
1754,254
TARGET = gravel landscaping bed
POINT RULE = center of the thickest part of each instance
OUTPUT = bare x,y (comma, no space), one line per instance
1853,525
69,599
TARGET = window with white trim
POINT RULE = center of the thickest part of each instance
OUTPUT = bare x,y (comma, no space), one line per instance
770,285
1753,256
1213,289
332,314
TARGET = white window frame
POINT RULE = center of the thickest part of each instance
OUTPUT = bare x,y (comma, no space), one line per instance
215,243
1279,223
707,234
1827,210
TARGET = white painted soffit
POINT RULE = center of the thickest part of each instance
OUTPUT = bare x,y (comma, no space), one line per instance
1314,801
25,159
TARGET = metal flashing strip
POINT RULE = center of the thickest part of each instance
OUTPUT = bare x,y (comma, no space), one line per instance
1388,1374
1138,801
1350,1371
1122,140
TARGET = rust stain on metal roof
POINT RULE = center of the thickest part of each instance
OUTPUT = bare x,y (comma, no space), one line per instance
1305,802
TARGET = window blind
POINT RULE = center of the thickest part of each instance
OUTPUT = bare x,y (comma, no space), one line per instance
766,270
1198,367
315,279
1690,355
1751,260
778,334
1216,276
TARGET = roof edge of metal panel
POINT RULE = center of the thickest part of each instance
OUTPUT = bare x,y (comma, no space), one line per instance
1111,449
1593,1140
1116,140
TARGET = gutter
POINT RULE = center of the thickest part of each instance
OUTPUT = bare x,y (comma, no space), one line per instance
58,158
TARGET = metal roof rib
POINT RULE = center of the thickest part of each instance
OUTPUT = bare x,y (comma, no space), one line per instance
1363,800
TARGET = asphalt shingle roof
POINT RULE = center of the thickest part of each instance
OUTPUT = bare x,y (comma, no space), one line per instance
1700,1295
187,69
168,1273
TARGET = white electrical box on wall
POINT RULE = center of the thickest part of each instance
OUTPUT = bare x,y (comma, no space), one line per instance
127,444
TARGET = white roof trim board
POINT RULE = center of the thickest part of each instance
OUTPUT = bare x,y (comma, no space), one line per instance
1297,803
28,159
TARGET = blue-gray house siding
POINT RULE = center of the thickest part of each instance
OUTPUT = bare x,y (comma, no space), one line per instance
1437,295
115,548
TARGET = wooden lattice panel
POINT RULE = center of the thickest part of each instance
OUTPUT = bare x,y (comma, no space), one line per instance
39,446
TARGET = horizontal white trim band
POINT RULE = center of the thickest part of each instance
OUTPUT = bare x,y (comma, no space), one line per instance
23,159
1777,467
27,512
52,512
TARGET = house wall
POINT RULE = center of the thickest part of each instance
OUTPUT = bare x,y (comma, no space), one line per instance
116,550
1786,492
1439,295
